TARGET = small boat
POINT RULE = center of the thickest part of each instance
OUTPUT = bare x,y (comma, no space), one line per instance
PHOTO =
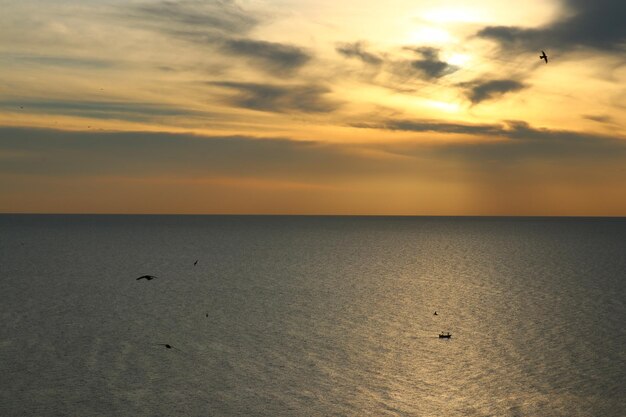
443,335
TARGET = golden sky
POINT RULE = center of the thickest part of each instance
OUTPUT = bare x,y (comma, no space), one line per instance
313,107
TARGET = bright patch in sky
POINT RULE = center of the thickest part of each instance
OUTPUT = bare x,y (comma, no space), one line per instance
430,35
443,106
458,60
455,14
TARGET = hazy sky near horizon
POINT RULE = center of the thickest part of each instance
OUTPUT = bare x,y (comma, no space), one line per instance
313,107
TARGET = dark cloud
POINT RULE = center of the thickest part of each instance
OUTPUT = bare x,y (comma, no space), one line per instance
432,126
597,24
521,142
432,69
512,129
530,142
428,52
276,57
73,154
357,50
307,98
131,111
430,65
46,152
478,91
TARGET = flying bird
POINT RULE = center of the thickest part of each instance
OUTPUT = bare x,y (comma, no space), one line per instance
195,263
146,277
168,346
543,56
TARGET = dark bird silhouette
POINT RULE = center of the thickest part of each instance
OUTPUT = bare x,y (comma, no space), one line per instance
207,314
168,346
435,314
543,56
195,263
146,277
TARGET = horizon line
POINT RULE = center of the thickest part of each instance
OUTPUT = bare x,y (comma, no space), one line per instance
321,215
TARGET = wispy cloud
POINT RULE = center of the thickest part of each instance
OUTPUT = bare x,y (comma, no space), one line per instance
307,98
130,111
60,61
208,17
600,118
525,139
224,26
424,65
357,50
432,126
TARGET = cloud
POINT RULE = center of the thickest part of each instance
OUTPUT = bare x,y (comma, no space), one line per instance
600,118
48,152
208,17
536,171
223,25
61,153
308,98
525,139
432,126
525,154
61,61
430,65
357,50
480,90
597,24
131,111
277,57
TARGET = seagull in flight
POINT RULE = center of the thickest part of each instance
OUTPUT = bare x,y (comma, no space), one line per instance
543,56
146,277
196,262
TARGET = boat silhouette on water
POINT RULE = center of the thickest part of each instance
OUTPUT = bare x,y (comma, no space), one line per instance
443,335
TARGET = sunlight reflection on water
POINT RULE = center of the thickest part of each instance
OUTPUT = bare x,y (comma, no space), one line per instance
312,316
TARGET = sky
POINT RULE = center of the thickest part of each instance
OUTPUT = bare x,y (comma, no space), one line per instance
313,107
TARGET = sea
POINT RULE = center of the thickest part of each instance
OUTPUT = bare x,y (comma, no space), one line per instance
312,316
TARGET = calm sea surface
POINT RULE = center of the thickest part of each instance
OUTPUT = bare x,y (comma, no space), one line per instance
312,316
